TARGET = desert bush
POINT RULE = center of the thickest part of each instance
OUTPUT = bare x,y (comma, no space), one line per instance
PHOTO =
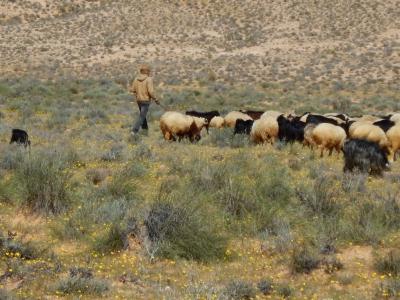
332,264
279,237
81,281
265,286
115,238
59,118
43,180
364,222
12,157
11,246
181,230
115,153
389,289
93,212
284,290
321,197
354,182
96,115
96,176
224,138
345,278
389,263
121,184
141,152
304,260
239,290
274,183
6,295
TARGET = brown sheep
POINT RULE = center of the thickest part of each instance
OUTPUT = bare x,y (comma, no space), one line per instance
369,132
395,118
271,113
175,124
264,130
308,141
328,136
230,118
393,135
217,122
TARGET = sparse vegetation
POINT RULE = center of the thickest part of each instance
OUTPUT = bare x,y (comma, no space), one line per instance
219,219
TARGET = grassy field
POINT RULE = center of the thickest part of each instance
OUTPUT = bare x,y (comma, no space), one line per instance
93,213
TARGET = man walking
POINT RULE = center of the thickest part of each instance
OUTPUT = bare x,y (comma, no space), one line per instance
143,89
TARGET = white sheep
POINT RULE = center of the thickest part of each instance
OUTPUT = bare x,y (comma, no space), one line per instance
393,135
264,130
369,132
175,124
230,118
271,113
217,122
328,136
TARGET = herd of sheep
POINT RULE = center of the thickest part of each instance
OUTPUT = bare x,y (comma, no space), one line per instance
368,142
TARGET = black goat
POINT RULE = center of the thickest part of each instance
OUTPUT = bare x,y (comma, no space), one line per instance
20,137
365,156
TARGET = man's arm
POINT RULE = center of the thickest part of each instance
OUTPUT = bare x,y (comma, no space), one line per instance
133,87
150,89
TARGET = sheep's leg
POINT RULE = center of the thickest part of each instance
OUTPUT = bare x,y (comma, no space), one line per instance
330,151
167,136
338,149
322,151
272,140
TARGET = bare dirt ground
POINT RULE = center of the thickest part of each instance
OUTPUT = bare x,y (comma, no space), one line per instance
232,41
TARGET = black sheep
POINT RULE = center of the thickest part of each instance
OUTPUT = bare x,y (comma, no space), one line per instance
206,115
365,156
242,126
385,125
254,114
290,130
317,119
20,137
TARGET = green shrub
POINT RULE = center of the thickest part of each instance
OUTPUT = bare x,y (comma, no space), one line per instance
304,260
238,290
345,278
81,281
265,286
6,295
284,290
43,180
121,185
12,157
113,239
332,264
177,229
389,263
390,289
115,153
14,247
321,197
96,176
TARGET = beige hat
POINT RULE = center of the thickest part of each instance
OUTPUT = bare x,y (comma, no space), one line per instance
144,68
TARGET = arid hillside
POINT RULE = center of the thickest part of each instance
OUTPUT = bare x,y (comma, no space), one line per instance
228,40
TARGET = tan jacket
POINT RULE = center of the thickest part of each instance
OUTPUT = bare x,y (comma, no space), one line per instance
143,88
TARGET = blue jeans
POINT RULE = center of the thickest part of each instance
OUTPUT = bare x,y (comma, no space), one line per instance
141,122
